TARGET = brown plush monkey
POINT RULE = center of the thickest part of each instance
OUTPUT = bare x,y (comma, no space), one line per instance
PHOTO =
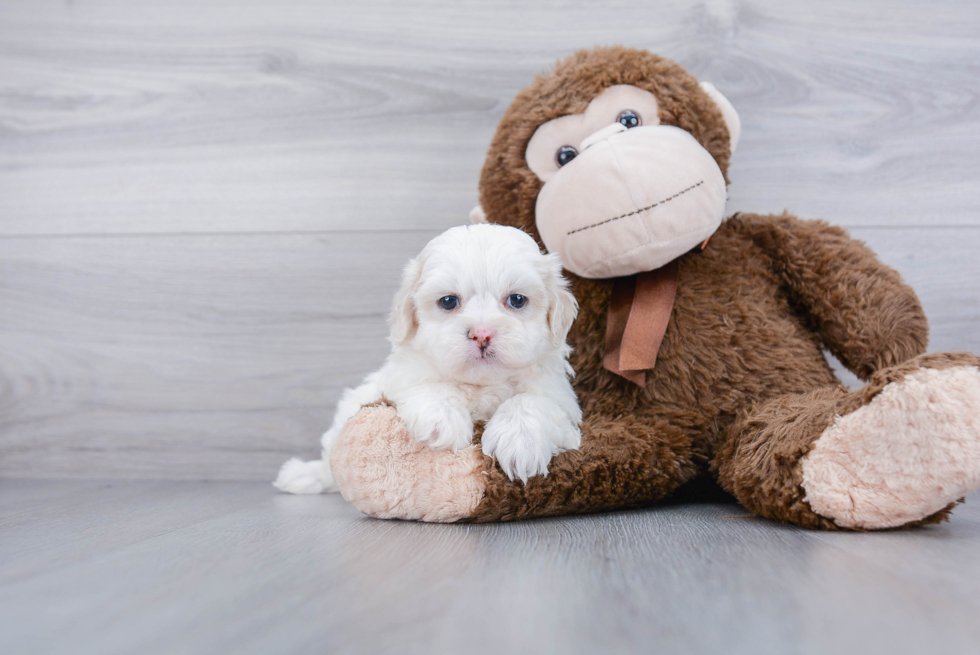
618,160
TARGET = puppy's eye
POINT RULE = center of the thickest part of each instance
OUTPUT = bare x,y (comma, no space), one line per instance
628,118
516,301
565,154
449,303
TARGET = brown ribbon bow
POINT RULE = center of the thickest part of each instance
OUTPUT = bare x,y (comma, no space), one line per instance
639,311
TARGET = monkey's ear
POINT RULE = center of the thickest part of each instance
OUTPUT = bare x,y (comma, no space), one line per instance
403,320
477,215
727,112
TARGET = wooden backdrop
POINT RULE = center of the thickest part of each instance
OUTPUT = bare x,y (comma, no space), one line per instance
205,205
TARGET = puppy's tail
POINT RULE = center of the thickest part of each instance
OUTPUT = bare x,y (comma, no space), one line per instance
299,477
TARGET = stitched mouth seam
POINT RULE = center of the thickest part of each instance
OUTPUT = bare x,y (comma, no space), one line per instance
637,211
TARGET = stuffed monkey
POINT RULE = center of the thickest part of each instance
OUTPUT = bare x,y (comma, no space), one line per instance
698,346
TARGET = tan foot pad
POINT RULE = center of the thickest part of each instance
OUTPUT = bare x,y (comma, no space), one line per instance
382,471
910,452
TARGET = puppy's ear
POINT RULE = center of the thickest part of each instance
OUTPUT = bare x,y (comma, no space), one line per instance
562,306
403,320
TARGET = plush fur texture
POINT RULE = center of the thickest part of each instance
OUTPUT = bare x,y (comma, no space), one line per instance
744,332
741,391
872,469
427,485
762,464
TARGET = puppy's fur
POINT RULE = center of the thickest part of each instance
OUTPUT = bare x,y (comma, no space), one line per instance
488,356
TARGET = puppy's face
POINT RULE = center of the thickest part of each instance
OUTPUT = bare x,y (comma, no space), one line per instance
481,301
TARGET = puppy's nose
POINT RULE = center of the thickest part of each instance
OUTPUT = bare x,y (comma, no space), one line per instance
481,335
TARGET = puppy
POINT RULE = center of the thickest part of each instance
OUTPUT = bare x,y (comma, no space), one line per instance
478,333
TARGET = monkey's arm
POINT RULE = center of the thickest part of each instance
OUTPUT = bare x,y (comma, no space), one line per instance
865,315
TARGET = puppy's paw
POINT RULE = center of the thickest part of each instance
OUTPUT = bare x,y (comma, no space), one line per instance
520,439
440,423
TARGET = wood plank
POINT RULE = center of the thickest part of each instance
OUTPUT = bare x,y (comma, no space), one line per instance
246,116
934,562
301,574
217,357
99,516
131,353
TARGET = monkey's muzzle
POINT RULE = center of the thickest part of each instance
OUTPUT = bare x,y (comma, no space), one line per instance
631,202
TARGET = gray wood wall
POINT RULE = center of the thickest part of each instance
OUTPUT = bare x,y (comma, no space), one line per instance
204,206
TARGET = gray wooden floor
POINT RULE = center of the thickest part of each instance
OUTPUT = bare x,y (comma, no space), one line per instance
226,567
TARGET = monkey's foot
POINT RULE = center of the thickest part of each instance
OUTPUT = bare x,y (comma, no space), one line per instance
385,473
907,454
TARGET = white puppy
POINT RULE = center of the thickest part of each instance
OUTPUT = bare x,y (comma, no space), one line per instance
478,334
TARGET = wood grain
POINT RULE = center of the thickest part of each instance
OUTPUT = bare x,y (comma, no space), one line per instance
238,568
232,346
204,207
251,116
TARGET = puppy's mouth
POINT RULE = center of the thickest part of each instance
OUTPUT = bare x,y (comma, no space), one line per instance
483,354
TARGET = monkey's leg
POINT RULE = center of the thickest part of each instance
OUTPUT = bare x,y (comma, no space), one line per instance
898,452
623,461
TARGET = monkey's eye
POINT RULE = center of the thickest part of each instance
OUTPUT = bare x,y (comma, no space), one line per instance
628,118
516,301
449,303
565,154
